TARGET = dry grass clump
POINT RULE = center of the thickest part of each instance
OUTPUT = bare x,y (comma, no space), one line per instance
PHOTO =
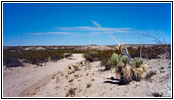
156,94
76,67
149,75
76,76
126,74
88,85
71,80
71,92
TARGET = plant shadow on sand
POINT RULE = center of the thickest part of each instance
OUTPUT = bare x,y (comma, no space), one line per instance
113,80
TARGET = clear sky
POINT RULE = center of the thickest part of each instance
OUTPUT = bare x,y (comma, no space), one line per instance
70,23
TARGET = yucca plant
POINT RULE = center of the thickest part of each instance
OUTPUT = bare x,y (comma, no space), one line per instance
137,62
126,74
124,59
139,68
115,61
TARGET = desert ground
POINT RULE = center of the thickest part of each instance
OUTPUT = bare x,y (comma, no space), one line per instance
75,77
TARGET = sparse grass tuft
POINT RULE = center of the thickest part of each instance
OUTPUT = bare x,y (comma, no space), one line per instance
71,92
71,80
76,67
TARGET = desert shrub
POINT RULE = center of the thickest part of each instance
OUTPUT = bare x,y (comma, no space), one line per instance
134,52
108,65
104,57
14,58
11,58
150,52
91,56
12,62
100,55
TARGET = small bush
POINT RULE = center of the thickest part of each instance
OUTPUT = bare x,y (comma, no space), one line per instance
12,62
108,65
91,56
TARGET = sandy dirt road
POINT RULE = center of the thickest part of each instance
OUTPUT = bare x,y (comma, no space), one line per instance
23,80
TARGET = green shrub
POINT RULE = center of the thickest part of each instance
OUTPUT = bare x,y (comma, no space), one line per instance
91,56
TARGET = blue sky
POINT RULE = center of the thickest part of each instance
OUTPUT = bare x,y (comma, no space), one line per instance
70,23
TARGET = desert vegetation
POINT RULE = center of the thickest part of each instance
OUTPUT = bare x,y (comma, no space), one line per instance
128,71
14,58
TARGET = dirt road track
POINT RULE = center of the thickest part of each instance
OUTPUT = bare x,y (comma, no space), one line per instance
23,80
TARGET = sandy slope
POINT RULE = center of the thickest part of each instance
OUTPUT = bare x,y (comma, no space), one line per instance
22,80
91,81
